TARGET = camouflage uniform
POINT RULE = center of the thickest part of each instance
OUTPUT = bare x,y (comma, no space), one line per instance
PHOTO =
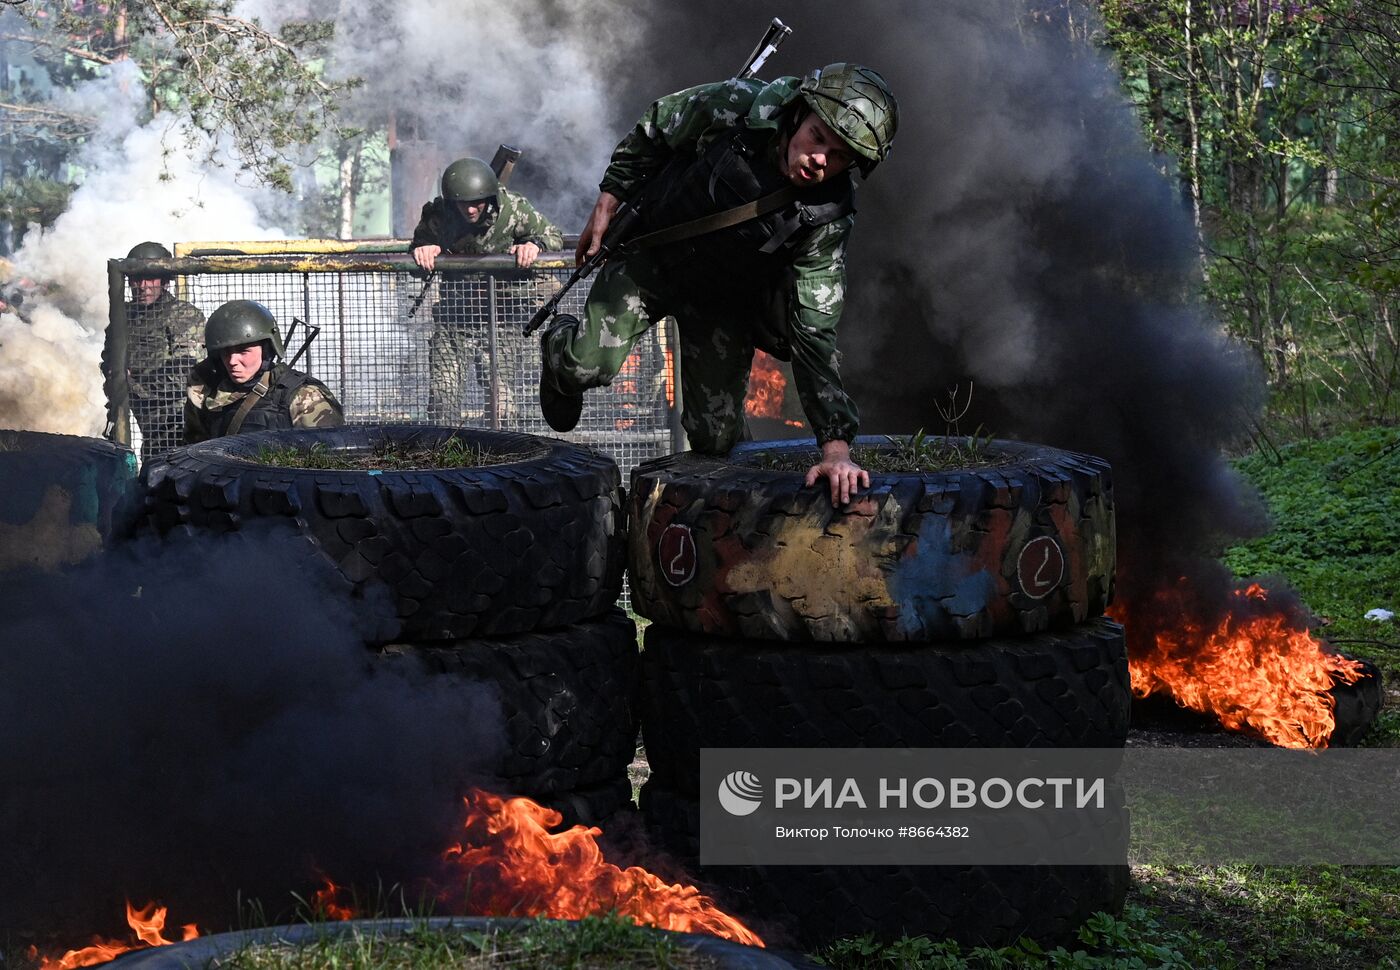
164,340
788,306
294,400
460,338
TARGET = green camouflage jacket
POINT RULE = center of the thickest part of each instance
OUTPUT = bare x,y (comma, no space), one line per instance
686,123
211,397
164,340
516,222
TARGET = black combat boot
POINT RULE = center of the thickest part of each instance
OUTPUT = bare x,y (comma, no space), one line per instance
560,410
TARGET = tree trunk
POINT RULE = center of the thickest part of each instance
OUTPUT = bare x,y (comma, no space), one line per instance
349,176
1193,136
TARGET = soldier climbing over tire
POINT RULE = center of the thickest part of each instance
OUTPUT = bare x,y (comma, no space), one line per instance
477,215
773,278
242,386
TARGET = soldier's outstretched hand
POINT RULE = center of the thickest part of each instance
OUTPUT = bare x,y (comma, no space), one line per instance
425,255
525,254
843,475
597,226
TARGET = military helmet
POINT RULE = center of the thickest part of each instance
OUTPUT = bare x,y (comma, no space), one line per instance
858,105
150,250
240,322
469,180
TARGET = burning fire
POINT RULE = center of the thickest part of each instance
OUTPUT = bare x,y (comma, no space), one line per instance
767,389
147,923
326,902
1256,668
512,865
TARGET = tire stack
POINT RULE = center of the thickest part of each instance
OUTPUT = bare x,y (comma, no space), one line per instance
505,572
951,609
65,498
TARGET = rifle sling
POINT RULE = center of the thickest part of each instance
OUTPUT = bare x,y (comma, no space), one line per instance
716,220
258,392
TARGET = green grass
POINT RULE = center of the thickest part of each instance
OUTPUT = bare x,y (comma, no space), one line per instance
918,452
1138,940
1336,508
594,942
393,456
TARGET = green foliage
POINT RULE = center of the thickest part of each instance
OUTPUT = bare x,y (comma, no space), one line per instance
1278,121
1336,536
32,199
1137,941
1321,917
214,71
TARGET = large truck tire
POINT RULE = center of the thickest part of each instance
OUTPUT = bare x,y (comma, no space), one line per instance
568,699
736,547
1066,689
65,498
533,539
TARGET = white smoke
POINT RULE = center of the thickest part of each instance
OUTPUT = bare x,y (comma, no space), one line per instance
139,182
537,75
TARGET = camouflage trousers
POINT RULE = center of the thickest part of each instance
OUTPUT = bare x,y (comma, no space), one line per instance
716,349
459,352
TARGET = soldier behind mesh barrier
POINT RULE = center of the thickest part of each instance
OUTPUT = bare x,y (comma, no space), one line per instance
163,342
476,215
241,386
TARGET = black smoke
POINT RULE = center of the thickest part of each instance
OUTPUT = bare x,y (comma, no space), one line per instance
1022,238
196,721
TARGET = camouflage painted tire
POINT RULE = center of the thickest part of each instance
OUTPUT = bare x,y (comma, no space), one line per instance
976,905
568,700
531,542
730,546
65,498
1066,690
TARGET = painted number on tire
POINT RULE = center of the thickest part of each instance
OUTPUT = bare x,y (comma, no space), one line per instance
675,554
1040,567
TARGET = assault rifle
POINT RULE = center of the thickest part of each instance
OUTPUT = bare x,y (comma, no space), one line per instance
624,222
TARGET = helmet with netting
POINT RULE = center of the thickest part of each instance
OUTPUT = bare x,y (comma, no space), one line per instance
858,105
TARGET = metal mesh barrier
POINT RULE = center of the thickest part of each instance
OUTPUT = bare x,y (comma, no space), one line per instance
389,348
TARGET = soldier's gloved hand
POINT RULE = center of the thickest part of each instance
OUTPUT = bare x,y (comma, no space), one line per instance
425,255
843,475
525,254
597,226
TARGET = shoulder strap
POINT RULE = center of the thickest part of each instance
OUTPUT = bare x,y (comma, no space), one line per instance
255,395
716,220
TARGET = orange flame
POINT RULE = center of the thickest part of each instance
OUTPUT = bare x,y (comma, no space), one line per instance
670,377
147,923
326,901
1258,668
767,390
513,865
